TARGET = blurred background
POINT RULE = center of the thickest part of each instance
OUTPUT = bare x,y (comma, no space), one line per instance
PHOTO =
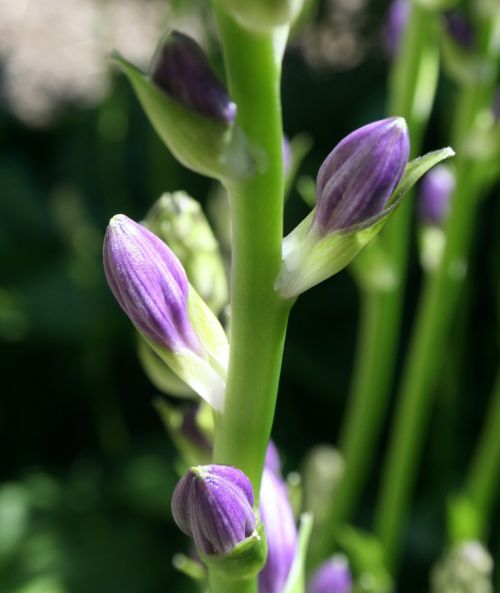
87,469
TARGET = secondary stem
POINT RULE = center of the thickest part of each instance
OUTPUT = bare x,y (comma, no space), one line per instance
484,475
258,315
413,85
435,312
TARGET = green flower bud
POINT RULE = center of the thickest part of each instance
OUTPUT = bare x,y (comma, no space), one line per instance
179,221
465,567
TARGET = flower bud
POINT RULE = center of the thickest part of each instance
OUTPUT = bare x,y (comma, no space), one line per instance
190,109
466,567
359,186
397,20
435,194
272,461
333,576
459,28
179,220
213,504
150,285
360,174
181,69
281,532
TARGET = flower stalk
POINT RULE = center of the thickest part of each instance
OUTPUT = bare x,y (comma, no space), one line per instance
435,312
259,316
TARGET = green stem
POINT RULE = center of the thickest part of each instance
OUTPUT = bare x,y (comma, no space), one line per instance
413,85
258,315
435,312
484,475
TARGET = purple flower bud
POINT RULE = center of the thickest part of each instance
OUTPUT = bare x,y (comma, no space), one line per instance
397,20
435,194
281,533
359,175
333,576
181,69
459,28
149,283
273,462
213,505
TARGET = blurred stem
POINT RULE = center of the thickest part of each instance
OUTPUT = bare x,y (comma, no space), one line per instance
435,312
258,315
484,475
413,85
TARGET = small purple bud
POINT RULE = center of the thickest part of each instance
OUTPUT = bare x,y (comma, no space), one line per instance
459,28
397,19
333,576
273,462
149,283
213,505
359,175
281,533
435,194
181,69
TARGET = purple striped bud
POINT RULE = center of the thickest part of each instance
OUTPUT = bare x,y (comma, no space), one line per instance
181,69
213,505
281,532
459,28
333,576
359,175
435,194
149,283
397,20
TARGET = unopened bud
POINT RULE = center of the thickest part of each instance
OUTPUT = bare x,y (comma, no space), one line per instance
190,109
333,576
360,174
281,532
213,505
150,284
179,220
435,194
181,69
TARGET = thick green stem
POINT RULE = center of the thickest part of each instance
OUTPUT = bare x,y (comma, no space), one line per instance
413,85
435,313
258,315
484,475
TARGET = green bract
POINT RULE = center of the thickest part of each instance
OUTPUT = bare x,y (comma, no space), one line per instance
245,560
205,375
309,258
203,144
